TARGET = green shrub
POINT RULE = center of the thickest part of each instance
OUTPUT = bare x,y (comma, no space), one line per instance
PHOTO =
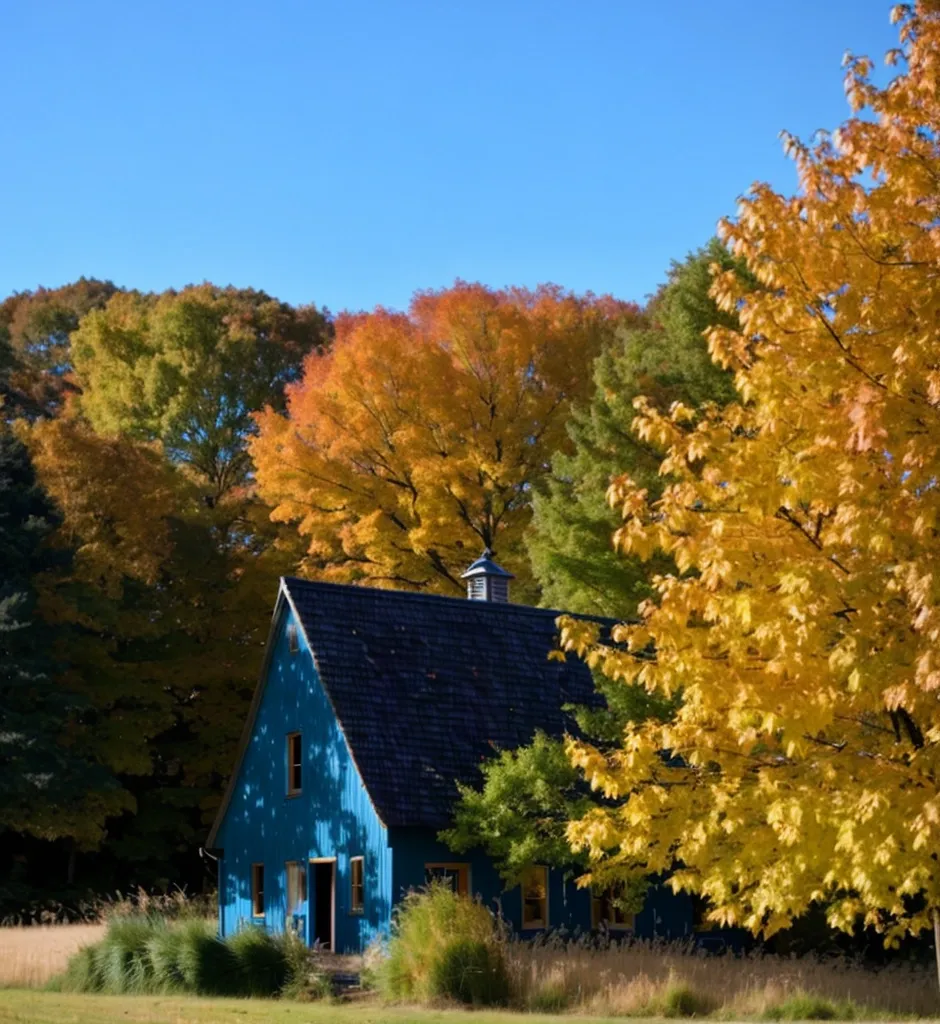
262,961
551,997
120,962
680,1000
307,987
304,982
163,949
151,954
469,971
805,1006
122,956
208,965
82,972
432,935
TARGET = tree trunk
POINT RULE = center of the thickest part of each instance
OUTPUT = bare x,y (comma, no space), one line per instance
936,940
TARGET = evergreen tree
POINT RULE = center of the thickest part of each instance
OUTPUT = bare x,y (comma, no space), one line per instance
528,796
571,540
39,775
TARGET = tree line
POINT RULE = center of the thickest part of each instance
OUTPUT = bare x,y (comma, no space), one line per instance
165,457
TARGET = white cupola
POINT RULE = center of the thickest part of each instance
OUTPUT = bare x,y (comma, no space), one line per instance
487,581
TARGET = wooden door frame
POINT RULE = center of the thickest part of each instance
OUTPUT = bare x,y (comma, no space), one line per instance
332,861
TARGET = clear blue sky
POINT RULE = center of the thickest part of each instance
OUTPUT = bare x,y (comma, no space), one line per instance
348,152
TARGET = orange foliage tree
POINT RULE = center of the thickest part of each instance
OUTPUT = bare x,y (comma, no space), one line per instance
156,621
418,439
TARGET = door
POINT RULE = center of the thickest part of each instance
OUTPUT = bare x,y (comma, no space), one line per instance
322,903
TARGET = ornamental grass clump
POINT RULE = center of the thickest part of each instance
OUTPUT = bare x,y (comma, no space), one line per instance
118,963
807,1006
81,973
469,971
443,946
679,999
261,961
207,964
306,980
151,954
164,948
123,956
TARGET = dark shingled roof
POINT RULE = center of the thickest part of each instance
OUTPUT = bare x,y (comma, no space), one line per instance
426,688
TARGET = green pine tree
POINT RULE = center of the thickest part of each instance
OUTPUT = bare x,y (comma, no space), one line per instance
39,775
520,812
570,542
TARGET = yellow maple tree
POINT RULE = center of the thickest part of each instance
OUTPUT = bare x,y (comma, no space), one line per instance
803,764
417,439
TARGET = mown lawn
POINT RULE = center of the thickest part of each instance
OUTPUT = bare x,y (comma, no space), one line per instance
30,1007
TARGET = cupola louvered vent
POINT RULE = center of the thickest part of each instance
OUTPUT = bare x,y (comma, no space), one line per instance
487,581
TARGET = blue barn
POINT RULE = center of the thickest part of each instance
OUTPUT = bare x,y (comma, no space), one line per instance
372,706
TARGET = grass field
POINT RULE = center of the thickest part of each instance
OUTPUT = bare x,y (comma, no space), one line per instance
19,1006
587,984
25,1007
30,955
626,981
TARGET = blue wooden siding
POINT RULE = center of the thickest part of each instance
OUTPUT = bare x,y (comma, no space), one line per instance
331,817
415,847
664,915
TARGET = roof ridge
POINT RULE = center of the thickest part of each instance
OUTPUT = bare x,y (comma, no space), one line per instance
491,607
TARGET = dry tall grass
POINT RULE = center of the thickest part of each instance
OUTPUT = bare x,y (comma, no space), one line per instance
632,977
33,951
32,954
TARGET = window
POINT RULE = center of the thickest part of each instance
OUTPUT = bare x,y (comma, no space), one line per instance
293,644
294,764
296,887
535,897
356,887
456,875
257,890
607,910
